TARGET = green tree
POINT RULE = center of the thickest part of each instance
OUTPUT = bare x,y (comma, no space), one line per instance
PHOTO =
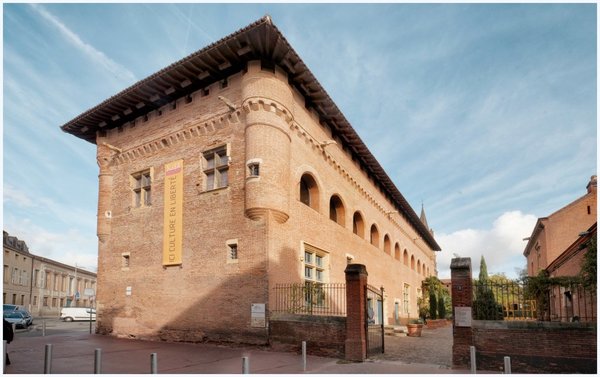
589,267
485,306
441,308
432,304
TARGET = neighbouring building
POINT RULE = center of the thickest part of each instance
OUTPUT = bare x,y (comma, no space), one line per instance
40,284
227,173
552,235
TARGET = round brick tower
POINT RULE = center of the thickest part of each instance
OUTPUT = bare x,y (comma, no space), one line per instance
266,100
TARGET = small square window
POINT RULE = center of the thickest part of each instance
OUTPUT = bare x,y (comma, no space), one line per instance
233,251
254,169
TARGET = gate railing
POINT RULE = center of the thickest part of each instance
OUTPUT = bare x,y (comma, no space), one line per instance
326,299
374,320
510,301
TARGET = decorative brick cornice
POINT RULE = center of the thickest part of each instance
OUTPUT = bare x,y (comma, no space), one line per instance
192,130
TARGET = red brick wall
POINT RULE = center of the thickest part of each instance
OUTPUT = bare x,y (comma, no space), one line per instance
535,347
324,336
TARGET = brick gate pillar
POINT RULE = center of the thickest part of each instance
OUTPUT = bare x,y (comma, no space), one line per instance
356,341
462,302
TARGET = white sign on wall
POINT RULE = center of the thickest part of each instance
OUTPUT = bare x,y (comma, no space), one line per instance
462,316
258,316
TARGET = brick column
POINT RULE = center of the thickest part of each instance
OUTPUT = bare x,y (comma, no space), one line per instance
462,297
356,337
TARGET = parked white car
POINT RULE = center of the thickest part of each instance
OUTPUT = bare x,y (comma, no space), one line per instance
77,314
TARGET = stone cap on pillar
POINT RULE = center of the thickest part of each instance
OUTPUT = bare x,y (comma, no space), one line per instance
356,269
460,263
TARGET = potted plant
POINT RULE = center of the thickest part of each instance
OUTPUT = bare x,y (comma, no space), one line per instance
414,327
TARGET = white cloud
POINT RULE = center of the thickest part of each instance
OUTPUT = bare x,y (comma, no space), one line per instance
95,55
502,245
12,195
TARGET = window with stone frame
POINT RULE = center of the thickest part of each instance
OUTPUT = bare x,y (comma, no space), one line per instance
406,298
142,188
315,264
216,168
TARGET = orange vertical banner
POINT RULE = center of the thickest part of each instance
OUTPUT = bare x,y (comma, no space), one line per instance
173,214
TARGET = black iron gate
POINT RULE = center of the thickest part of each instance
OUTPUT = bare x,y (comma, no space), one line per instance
374,322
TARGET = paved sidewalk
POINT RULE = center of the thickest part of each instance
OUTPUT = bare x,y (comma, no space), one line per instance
74,354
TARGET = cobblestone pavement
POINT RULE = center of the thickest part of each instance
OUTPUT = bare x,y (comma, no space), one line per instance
432,347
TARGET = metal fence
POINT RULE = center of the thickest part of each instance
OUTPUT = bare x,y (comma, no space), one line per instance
511,301
311,298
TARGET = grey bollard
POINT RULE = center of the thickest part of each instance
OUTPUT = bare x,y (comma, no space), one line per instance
153,363
97,361
473,361
245,365
507,368
304,356
48,359
44,328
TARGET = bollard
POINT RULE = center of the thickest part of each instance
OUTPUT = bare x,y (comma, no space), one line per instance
44,328
153,364
473,361
5,353
97,361
48,359
304,356
245,365
507,368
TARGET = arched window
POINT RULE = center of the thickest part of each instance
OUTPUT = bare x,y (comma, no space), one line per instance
405,257
358,225
309,191
419,267
374,236
412,262
397,251
387,245
336,210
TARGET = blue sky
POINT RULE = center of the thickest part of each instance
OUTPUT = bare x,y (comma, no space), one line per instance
486,113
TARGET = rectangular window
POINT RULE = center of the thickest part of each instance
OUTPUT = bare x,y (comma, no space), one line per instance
36,274
22,299
142,188
406,298
6,273
125,261
15,276
54,302
233,251
34,300
314,264
216,168
14,301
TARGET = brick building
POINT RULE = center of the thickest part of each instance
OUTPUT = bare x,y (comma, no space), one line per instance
554,234
42,285
231,171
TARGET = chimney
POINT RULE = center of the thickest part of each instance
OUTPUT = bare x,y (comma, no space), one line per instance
593,185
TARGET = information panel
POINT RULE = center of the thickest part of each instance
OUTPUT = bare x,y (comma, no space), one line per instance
462,316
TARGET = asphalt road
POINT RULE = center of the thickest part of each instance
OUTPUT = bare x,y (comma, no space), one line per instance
54,326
